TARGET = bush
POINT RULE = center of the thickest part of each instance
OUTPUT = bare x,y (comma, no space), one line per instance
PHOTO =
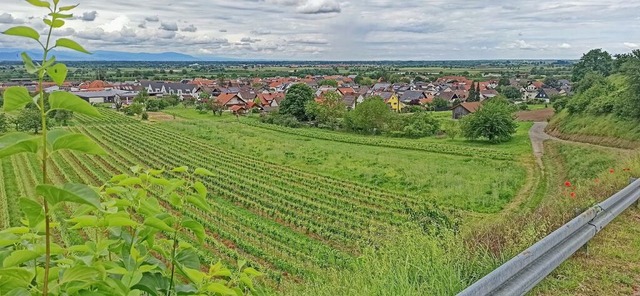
145,116
493,121
281,119
420,125
560,103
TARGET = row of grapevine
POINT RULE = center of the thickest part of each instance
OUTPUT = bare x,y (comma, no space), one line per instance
4,210
386,142
108,117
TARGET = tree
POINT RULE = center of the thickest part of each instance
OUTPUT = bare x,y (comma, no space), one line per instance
551,81
504,81
494,121
511,92
474,96
328,82
440,104
29,120
215,106
295,101
329,111
4,123
369,116
142,97
62,116
596,60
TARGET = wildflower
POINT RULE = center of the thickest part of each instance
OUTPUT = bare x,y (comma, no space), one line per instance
567,184
611,171
573,195
597,181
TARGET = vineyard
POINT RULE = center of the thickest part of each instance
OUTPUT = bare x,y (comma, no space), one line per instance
282,220
386,142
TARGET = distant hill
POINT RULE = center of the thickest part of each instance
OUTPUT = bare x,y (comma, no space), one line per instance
102,55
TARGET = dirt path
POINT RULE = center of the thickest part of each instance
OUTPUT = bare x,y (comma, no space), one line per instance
538,136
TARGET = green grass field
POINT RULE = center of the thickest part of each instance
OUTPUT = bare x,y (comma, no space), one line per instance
449,180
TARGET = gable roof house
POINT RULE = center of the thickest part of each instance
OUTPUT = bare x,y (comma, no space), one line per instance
230,100
488,94
464,109
412,97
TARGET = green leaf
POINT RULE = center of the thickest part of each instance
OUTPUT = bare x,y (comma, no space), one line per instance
49,62
79,273
23,31
68,101
83,221
17,277
219,288
70,44
61,15
15,143
158,224
201,189
181,169
188,258
78,142
130,181
196,227
16,97
67,8
39,3
199,202
28,63
247,282
55,24
75,193
120,221
19,292
33,210
18,257
203,172
58,73
252,272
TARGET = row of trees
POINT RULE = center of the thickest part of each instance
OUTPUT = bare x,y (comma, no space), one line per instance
494,121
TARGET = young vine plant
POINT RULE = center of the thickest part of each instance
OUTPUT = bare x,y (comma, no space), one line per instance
130,246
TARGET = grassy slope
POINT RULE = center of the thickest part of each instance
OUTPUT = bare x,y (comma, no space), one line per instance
450,180
611,265
606,130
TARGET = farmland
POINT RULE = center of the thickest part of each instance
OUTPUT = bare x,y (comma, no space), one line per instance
289,217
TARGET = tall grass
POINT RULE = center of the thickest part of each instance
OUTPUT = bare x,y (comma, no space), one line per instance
607,130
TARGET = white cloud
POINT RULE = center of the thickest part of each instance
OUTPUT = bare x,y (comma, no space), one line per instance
348,29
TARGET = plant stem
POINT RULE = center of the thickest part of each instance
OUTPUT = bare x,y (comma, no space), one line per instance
173,261
43,117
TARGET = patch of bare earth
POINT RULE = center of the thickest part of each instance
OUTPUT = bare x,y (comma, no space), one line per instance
535,115
161,117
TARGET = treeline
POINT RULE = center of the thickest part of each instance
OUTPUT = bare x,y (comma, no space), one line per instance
605,84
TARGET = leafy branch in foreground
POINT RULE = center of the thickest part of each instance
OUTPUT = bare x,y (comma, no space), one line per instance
129,245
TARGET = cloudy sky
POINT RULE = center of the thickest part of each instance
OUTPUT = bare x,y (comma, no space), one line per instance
346,30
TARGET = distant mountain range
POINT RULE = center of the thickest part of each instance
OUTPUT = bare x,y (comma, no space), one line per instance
102,55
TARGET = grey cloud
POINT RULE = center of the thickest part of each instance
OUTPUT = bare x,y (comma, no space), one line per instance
171,26
89,16
222,30
7,18
190,28
249,40
319,6
152,19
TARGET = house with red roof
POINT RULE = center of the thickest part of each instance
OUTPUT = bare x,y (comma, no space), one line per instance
230,100
464,109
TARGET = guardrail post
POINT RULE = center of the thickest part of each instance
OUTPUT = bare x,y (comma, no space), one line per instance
631,180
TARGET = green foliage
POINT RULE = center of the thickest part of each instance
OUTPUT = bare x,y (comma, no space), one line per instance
4,123
451,128
440,104
494,121
419,125
474,93
280,119
119,255
511,92
328,82
369,117
145,115
597,61
295,101
328,112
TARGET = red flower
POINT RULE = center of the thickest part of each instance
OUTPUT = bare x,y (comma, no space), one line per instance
611,171
573,195
597,181
567,183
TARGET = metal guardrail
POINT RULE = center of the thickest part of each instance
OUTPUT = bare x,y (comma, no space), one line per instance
520,274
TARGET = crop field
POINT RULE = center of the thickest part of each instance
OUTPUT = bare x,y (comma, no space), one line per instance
291,202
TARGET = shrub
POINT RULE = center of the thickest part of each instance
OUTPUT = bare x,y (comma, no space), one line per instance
145,116
281,119
493,121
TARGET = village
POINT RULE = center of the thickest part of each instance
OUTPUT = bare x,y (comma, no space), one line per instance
239,96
